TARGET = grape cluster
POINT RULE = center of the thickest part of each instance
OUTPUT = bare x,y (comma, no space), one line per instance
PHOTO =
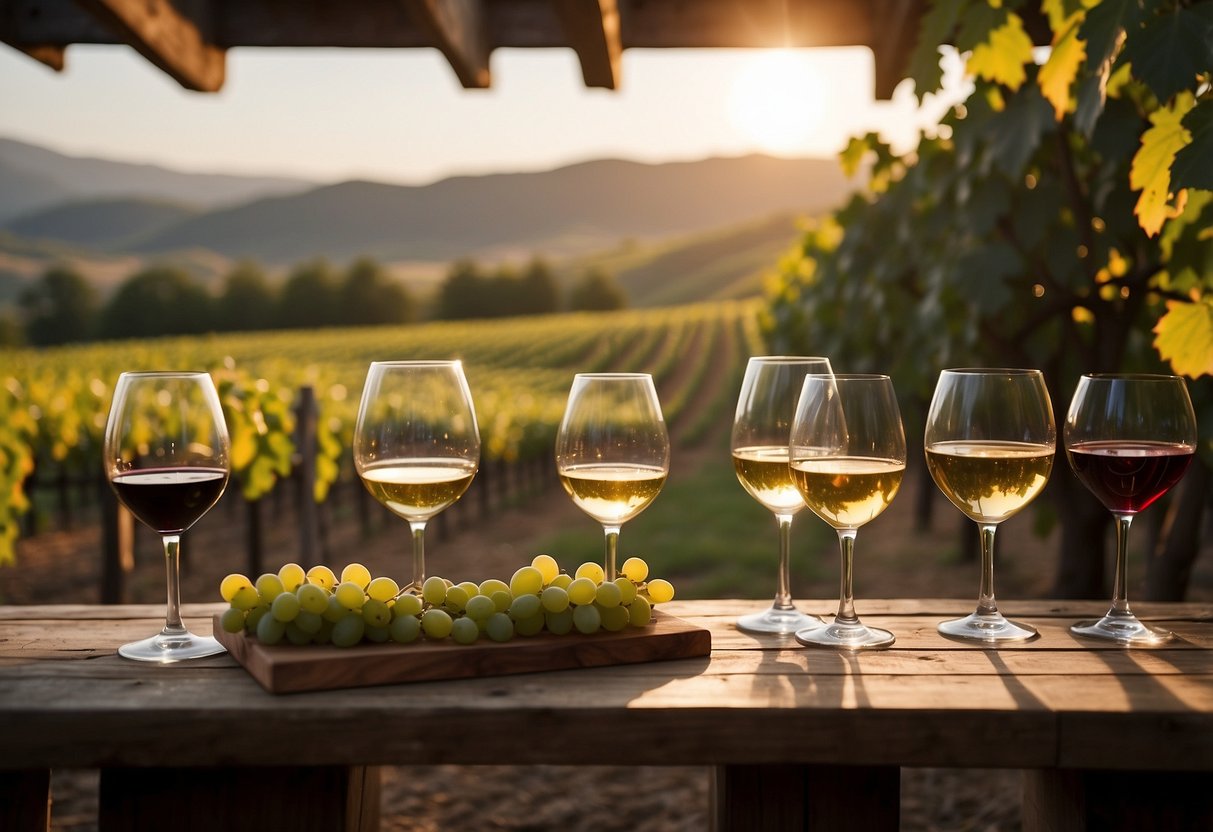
318,607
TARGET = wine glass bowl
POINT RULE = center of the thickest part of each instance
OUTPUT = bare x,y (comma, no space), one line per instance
762,423
416,442
848,456
1129,438
990,443
167,457
612,450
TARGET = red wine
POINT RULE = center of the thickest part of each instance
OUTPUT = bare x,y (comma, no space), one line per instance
170,500
1129,476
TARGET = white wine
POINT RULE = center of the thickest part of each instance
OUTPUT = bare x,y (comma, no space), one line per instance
612,494
990,481
849,491
765,474
417,489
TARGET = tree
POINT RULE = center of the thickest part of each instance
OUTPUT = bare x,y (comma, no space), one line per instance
536,289
370,295
309,297
160,300
60,308
597,291
463,293
248,302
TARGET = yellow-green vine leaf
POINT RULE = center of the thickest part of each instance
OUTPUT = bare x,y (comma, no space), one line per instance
1150,172
1003,57
1185,337
1057,75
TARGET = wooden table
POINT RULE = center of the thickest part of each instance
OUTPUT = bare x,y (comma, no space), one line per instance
802,738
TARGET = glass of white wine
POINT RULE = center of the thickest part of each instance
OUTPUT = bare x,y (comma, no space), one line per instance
612,450
990,443
848,455
416,442
761,426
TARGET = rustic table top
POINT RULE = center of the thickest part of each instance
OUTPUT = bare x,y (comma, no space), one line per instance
67,700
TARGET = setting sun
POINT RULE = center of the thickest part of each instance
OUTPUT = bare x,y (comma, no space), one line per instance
776,100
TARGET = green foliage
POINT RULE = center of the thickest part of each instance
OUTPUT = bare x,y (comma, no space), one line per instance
597,291
60,308
369,295
247,301
309,297
469,293
161,300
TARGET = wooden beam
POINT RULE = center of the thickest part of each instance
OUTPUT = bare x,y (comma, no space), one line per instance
458,29
893,41
177,43
592,29
43,53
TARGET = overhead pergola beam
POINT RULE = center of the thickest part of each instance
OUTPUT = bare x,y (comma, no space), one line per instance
178,44
458,29
592,29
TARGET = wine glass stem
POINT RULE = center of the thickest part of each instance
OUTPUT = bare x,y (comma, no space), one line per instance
172,565
986,605
418,528
612,545
1120,586
846,592
783,593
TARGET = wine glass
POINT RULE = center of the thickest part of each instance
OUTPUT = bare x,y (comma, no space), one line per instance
612,450
761,427
167,458
990,443
848,455
1129,438
416,442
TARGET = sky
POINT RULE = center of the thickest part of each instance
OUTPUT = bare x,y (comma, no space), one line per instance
400,115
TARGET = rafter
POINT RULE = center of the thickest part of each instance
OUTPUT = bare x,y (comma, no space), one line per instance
592,29
458,29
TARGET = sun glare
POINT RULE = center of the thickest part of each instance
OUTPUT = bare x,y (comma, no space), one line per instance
776,101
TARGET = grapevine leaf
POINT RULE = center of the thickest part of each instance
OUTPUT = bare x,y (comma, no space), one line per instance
1186,243
989,267
1091,98
1185,337
935,29
1193,166
1003,57
1058,74
1150,172
1015,133
1058,12
1103,26
978,22
1170,51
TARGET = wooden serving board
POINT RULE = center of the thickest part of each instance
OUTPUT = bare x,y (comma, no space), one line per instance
287,668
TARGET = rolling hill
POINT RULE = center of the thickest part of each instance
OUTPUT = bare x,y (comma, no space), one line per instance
103,223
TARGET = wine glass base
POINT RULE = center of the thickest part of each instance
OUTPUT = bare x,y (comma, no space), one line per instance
1126,630
988,628
840,636
783,622
166,648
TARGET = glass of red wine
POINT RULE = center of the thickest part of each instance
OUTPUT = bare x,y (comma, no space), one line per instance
1129,439
167,458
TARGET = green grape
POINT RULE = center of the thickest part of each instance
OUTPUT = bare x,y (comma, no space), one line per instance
582,591
524,606
480,607
554,599
660,591
285,607
591,570
405,629
383,589
547,566
232,620
635,570
614,618
297,636
464,631
322,577
312,598
530,625
291,575
499,627
436,623
357,573
348,631
502,600
433,591
309,622
526,581
229,585
640,612
254,617
246,597
350,595
325,634
407,604
376,634
608,595
269,587
456,598
270,630
560,623
587,619
376,613
627,590
493,585
562,580
469,587
334,610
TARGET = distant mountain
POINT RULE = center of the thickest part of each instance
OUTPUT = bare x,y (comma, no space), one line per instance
33,177
104,223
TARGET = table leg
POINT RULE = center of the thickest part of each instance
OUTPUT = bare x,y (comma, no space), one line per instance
235,798
25,799
807,797
1076,800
